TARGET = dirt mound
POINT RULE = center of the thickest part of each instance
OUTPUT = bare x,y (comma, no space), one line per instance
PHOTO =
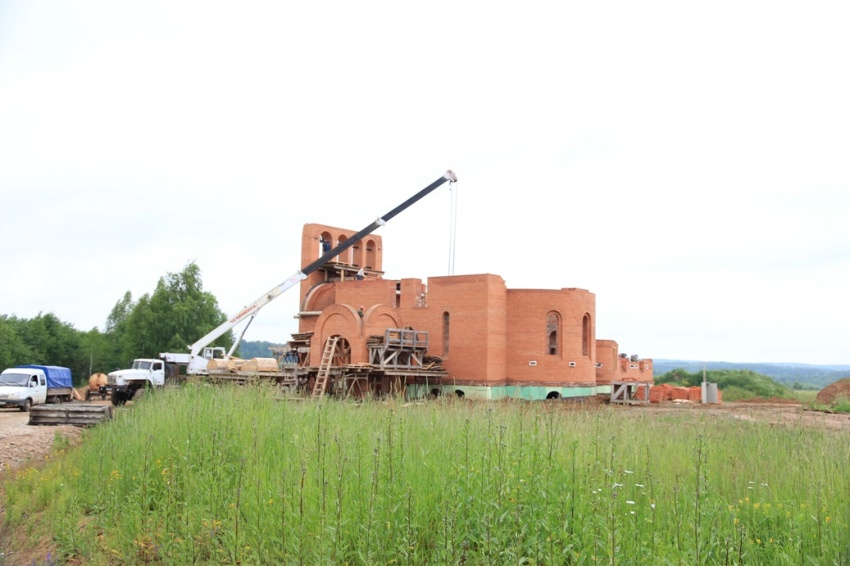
833,391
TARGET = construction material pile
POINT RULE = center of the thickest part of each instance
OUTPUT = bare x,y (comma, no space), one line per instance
667,392
834,391
238,365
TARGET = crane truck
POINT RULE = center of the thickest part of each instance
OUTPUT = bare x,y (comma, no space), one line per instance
125,383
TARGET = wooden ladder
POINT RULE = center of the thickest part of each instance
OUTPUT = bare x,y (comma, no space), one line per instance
325,367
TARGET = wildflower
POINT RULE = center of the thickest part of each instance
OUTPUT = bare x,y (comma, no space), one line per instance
628,472
630,502
640,485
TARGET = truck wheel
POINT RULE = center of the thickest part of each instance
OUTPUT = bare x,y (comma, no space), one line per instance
118,398
57,400
27,406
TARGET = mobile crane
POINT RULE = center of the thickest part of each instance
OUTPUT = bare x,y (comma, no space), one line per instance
201,352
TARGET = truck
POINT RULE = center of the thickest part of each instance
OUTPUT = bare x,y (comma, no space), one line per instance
28,385
145,373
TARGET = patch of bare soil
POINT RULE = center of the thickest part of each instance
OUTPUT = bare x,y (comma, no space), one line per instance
829,394
23,446
774,412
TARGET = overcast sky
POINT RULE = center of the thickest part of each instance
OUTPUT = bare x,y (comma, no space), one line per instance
686,162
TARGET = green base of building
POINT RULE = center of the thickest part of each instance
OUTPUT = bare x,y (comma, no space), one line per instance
499,392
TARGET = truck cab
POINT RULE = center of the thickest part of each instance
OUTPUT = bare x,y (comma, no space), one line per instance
144,373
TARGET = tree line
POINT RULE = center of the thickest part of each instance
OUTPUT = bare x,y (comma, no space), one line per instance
177,313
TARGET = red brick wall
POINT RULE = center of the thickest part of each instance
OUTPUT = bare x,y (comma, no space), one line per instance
529,360
607,352
477,324
368,252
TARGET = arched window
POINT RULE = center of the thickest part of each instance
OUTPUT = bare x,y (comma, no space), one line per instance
553,325
585,335
445,334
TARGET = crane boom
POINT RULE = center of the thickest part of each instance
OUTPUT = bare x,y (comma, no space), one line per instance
250,311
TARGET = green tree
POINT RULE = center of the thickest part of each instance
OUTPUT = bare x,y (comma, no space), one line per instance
99,349
118,352
178,313
13,349
49,341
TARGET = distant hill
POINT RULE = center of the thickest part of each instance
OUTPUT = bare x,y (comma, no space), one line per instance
797,376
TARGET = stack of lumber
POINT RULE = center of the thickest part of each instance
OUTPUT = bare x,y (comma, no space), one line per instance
259,365
216,364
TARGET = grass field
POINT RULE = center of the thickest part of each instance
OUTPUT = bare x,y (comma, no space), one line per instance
210,475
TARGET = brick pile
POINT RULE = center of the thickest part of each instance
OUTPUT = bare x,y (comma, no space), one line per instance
667,392
681,394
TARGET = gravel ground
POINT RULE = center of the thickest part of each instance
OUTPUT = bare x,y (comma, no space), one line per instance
21,442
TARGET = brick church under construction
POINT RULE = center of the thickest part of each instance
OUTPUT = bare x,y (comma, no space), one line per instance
464,335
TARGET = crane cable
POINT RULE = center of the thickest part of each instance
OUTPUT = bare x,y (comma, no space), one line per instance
452,226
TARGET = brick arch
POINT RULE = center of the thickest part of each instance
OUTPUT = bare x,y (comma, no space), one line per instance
319,297
339,320
378,318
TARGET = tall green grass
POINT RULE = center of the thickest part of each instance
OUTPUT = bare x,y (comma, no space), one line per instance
211,475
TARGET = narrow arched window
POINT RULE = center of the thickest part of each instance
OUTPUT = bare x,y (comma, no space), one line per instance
585,335
553,325
445,334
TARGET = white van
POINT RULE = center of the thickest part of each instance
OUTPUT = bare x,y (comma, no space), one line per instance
25,386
